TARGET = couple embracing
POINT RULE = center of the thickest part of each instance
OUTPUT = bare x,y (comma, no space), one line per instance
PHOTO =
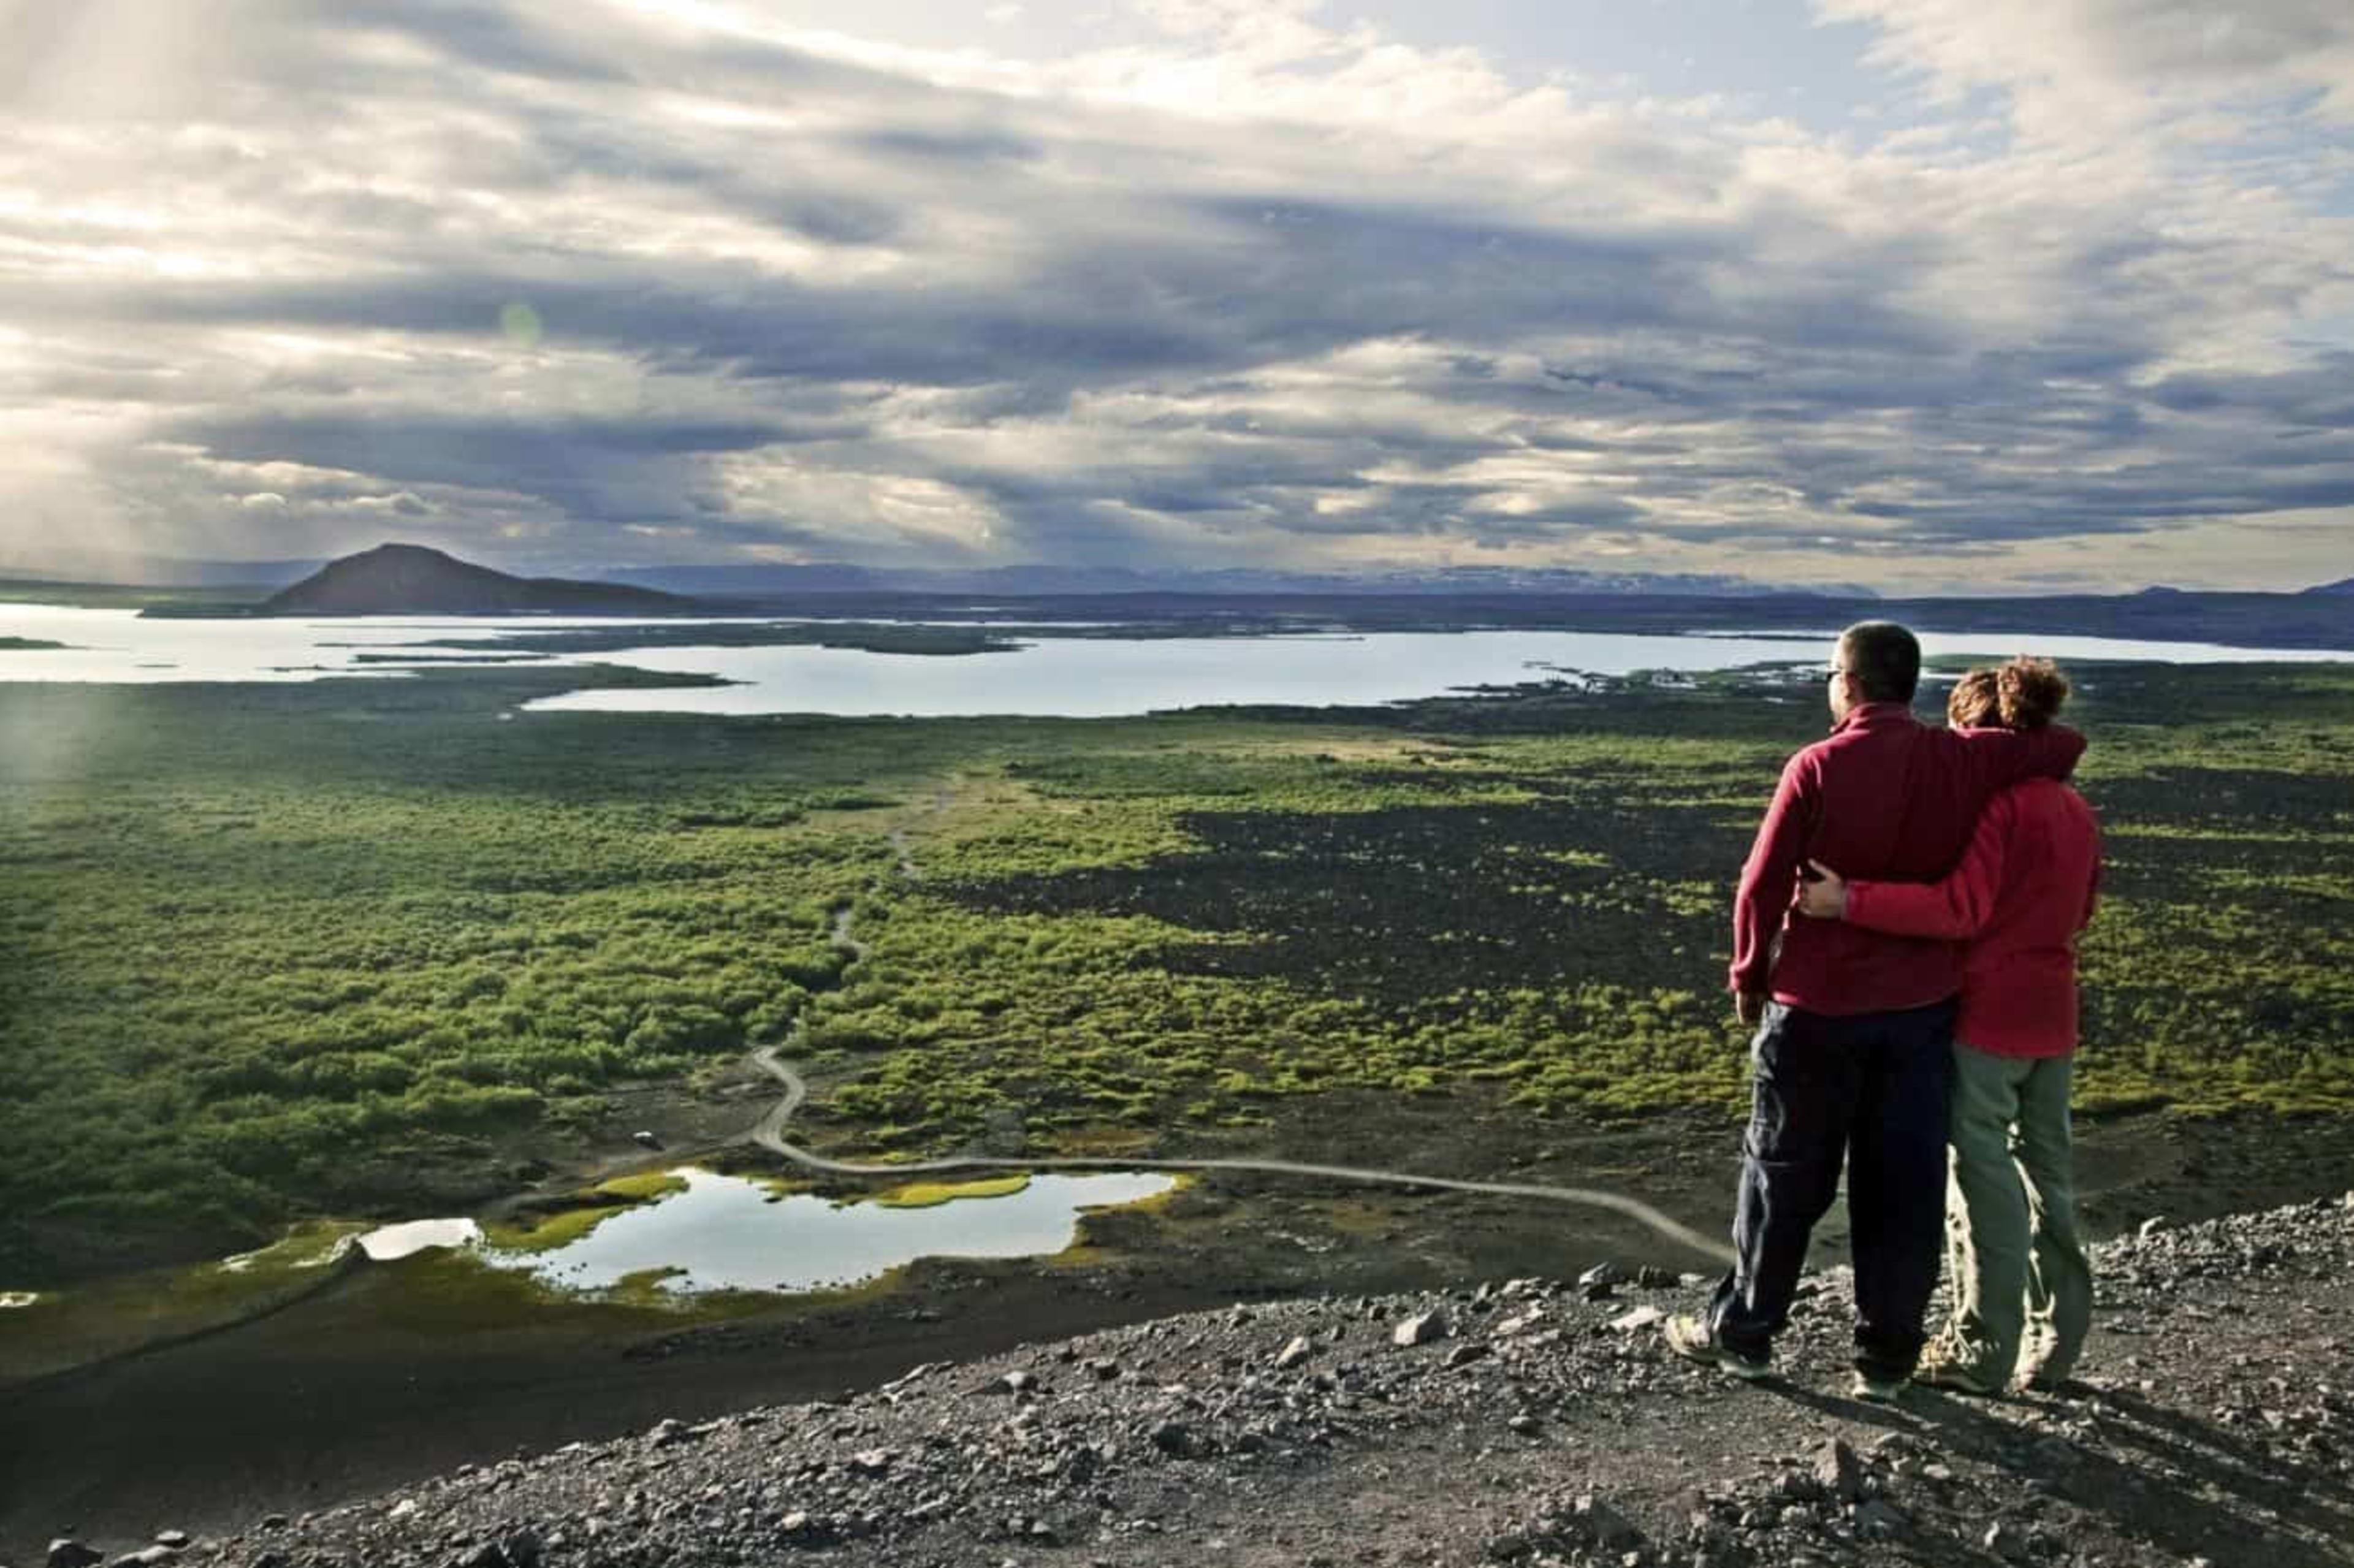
1905,949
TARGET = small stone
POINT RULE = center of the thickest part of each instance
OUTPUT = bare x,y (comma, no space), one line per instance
1640,1318
1525,1424
2150,1227
402,1508
177,1539
1015,1382
1465,1354
1421,1328
1877,1518
67,1552
489,1555
2006,1541
1601,1274
1838,1472
1174,1438
1603,1525
872,1461
1292,1355
146,1557
645,1139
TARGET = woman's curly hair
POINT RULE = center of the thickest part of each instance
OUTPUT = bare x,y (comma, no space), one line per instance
2026,694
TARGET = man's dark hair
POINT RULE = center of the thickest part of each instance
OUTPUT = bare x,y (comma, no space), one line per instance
1884,658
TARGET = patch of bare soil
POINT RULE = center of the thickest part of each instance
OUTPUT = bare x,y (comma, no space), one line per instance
1525,1422
352,1394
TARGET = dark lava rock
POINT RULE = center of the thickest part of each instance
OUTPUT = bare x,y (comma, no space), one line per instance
1174,1439
1838,1472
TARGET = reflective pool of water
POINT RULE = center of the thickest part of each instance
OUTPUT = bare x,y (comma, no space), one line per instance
726,1233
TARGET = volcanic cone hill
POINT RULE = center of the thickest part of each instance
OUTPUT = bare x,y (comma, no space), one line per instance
410,579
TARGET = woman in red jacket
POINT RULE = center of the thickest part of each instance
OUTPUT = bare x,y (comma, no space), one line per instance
2023,890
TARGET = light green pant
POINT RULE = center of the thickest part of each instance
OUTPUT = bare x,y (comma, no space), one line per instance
2022,1285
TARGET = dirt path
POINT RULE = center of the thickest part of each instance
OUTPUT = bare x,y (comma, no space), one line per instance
769,1132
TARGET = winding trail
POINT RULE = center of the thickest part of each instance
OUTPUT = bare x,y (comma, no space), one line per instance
770,1134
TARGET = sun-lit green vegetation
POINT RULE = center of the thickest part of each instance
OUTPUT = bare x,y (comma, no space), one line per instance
271,951
548,1229
932,1194
644,1187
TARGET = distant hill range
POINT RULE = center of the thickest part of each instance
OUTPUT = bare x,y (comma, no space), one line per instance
758,582
410,579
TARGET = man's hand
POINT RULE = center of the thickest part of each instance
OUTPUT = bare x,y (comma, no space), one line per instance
1824,898
1749,1006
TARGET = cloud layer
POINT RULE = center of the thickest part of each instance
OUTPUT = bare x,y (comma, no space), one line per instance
563,285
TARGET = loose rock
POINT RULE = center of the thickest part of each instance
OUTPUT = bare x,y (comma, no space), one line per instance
1421,1328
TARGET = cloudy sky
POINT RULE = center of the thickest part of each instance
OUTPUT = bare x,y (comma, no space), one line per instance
1931,294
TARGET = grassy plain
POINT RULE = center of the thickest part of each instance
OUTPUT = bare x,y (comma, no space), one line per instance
278,952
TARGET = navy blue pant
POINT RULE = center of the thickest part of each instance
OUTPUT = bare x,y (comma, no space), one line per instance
1870,1089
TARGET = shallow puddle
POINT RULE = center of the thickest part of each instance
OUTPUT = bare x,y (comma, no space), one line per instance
724,1233
394,1242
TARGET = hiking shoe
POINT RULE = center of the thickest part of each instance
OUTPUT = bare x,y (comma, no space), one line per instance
1956,1376
2062,1387
1691,1337
1873,1389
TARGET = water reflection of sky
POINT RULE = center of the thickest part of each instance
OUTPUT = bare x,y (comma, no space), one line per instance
726,1233
1066,677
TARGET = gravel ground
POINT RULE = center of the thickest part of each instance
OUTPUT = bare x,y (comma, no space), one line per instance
1527,1422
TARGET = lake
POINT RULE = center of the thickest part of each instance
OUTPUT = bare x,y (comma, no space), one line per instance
1059,677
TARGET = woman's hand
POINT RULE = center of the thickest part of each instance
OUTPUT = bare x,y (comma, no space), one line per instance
1825,898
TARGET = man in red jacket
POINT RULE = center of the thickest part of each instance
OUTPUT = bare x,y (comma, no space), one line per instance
2021,1283
1852,1054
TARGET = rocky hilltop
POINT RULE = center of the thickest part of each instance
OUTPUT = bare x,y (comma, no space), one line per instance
1525,1422
410,579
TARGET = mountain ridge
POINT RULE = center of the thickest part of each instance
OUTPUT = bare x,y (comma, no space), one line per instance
415,580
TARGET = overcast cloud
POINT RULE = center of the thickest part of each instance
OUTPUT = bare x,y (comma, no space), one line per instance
2012,292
